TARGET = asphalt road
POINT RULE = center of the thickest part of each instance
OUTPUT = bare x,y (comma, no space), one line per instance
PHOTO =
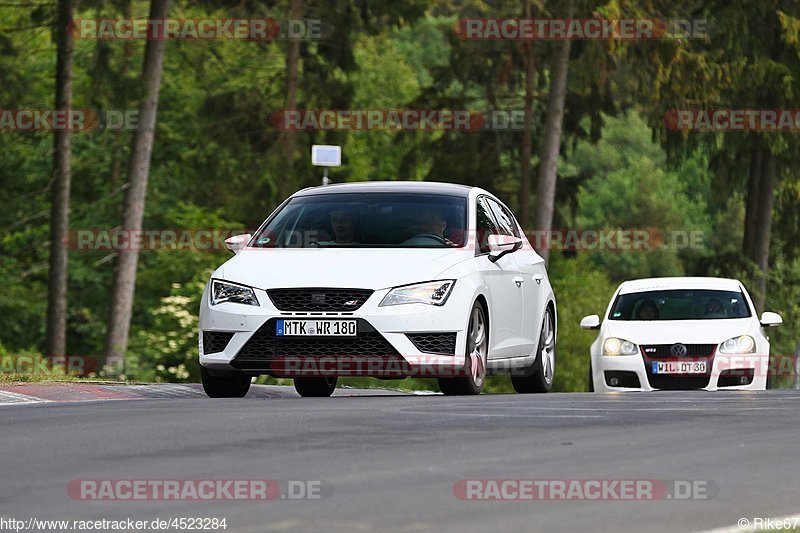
391,462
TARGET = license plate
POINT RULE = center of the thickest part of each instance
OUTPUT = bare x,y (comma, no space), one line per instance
314,328
679,367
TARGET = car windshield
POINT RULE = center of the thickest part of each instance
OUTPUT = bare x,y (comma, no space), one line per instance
680,305
367,220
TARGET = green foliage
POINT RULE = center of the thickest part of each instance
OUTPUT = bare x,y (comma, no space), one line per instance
167,350
627,188
581,289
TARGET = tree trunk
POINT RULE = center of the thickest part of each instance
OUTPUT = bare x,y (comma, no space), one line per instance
127,48
548,169
763,229
751,204
288,183
527,134
138,173
56,343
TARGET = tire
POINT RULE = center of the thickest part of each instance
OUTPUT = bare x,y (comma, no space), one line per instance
768,384
315,387
539,377
590,385
477,347
230,385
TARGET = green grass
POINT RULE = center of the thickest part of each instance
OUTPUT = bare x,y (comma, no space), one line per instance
38,377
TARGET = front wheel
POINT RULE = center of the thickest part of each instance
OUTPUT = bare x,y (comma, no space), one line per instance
539,378
477,350
228,385
315,387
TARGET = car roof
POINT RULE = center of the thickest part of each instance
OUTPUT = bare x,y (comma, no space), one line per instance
419,187
660,284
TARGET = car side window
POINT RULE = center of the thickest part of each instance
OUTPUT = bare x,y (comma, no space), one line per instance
504,218
485,225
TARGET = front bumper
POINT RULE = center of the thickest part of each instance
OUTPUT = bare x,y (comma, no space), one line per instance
386,327
727,373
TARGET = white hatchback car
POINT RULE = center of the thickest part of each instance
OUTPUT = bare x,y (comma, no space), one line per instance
680,333
383,279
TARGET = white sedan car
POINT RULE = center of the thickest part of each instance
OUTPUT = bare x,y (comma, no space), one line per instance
680,333
382,279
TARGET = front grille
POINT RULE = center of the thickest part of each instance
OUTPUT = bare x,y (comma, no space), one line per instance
215,341
663,351
264,344
322,299
441,343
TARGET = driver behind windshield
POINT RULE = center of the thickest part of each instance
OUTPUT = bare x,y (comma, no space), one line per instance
714,309
429,227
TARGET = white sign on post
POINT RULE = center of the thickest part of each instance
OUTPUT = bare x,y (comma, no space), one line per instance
323,155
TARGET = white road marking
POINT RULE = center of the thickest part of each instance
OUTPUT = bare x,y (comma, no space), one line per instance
169,390
12,398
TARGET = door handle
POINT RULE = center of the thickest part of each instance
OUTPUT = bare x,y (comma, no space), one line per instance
538,278
519,280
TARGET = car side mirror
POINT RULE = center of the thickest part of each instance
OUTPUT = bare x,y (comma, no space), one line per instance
500,245
237,242
771,319
590,322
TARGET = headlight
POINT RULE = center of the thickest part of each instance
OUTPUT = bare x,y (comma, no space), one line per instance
431,292
225,291
615,346
743,344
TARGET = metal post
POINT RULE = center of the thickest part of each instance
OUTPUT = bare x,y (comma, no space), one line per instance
325,180
797,367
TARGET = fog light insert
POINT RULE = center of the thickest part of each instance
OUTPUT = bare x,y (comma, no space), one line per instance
622,379
735,378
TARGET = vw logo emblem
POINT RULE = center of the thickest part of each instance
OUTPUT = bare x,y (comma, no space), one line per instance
678,350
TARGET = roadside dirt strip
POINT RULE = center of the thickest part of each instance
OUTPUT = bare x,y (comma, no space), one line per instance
54,392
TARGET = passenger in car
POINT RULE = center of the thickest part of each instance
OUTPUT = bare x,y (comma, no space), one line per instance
344,224
648,310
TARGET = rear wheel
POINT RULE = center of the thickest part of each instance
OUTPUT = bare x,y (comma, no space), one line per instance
315,387
539,377
477,349
228,385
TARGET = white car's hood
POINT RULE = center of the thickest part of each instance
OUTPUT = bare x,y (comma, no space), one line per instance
341,267
683,331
